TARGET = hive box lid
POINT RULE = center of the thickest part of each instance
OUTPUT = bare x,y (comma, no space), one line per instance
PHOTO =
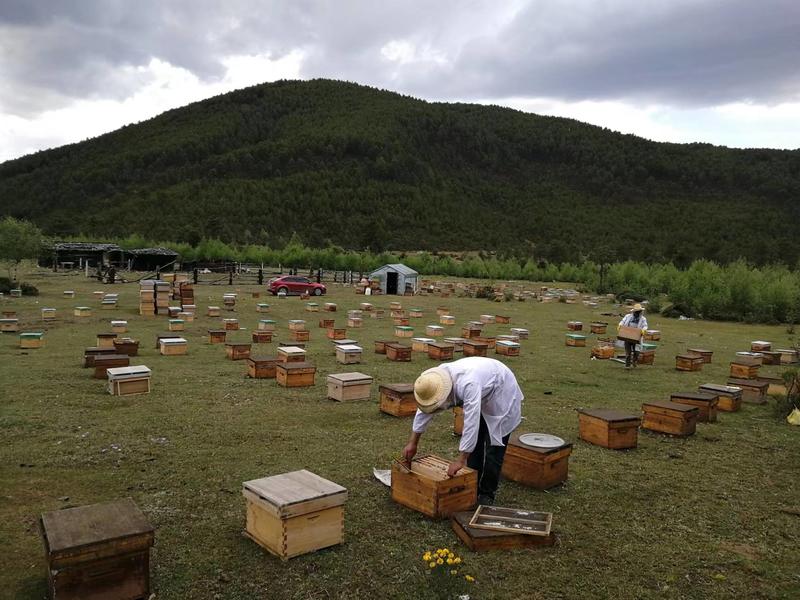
295,493
514,441
349,348
172,341
119,323
455,340
400,388
508,343
424,340
518,330
291,350
128,372
296,321
293,366
722,389
80,528
750,383
704,396
676,406
32,335
574,336
350,378
265,321
347,342
608,414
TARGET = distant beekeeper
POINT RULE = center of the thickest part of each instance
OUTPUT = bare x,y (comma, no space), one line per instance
636,319
492,401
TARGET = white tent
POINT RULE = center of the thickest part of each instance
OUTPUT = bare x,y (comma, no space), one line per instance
396,279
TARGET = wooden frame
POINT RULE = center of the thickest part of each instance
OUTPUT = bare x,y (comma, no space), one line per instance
512,520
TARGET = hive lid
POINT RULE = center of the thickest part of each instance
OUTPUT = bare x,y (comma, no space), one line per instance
576,336
290,366
347,342
751,383
77,528
723,389
404,327
676,406
295,493
296,321
516,330
173,340
455,340
137,370
541,440
400,388
422,340
508,343
119,323
349,348
291,350
263,359
608,414
760,342
34,335
704,396
354,377
441,345
434,327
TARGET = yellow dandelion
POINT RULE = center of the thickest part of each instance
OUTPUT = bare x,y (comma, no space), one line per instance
469,578
453,572
432,565
457,560
426,557
439,561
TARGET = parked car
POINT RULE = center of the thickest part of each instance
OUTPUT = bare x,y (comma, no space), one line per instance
292,284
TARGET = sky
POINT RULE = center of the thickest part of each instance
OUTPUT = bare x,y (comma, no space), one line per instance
725,72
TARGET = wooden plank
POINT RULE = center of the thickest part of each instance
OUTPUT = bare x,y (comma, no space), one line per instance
509,520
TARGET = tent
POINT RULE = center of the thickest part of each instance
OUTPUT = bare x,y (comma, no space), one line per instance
396,279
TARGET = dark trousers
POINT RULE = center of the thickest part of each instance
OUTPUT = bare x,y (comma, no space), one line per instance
487,460
631,354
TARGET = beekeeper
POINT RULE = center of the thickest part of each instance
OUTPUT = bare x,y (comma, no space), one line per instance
635,318
492,402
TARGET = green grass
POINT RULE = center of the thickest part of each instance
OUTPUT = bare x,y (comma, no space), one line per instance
675,518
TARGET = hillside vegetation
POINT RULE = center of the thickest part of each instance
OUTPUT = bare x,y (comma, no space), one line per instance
345,164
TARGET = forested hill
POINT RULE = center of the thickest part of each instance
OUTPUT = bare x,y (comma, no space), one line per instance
358,167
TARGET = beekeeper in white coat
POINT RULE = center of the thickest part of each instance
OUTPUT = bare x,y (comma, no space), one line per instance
636,319
492,401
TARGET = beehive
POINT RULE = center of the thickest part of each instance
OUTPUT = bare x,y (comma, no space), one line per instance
447,320
598,327
355,314
329,307
440,351
757,358
302,335
426,487
604,352
398,352
536,466
759,345
434,330
480,540
231,324
706,355
297,325
82,311
771,358
415,313
729,397
119,326
295,374
789,356
575,325
470,332
213,311
366,306
608,428
753,390
744,368
294,513
521,333
312,307
266,325
403,331
475,348
576,340
264,367
442,310
397,399
173,346
48,314
507,348
377,313
706,403
488,319
103,362
128,381
97,551
689,362
490,341
348,387
777,386
670,417
380,346
31,339
354,322
186,315
69,293
348,354
457,342
502,319
647,357
291,354
327,323
420,344
90,353
651,335
106,340
237,350
127,346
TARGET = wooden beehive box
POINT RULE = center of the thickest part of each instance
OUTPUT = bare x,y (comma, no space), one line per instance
380,346
756,357
488,319
262,307
329,307
174,311
302,335
598,327
297,325
575,325
106,340
419,344
777,386
425,487
395,306
670,417
440,351
261,337
119,326
103,362
127,346
706,355
447,320
475,348
403,331
89,354
213,311
470,332
434,330
576,340
348,387
706,402
771,358
294,513
48,314
753,390
31,340
490,341
187,316
354,322
521,333
502,319
82,311
442,310
231,324
538,467
629,334
458,343
295,374
604,352
651,335
398,352
481,540
175,346
128,381
608,428
348,354
69,293
647,357
217,336
729,397
377,313
335,333
744,368
458,420
97,551
345,342
415,313
176,325
264,367
789,356
327,323
9,325
266,325
689,362
312,307
401,321
759,345
507,348
237,350
366,306
397,399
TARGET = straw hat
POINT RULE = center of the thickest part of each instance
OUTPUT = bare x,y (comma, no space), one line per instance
432,388
637,308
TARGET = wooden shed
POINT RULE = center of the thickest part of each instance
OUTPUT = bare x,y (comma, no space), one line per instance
396,279
76,255
150,259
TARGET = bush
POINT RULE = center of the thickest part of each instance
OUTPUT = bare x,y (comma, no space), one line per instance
675,311
786,404
6,285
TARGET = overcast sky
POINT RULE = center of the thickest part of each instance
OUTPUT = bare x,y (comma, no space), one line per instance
720,71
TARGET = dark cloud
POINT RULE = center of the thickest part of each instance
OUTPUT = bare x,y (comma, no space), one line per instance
681,52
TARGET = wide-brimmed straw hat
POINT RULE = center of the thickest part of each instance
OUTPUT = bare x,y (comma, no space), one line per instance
432,388
637,308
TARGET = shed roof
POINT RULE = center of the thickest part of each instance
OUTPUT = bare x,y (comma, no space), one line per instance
85,247
400,268
153,252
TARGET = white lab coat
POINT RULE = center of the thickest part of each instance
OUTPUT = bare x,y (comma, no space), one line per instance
487,388
627,321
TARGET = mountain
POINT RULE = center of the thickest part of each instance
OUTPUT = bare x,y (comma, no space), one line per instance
359,167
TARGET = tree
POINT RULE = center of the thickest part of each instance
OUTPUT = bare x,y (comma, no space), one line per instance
19,240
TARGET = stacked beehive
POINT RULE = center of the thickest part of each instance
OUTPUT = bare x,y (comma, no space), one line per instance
147,294
162,297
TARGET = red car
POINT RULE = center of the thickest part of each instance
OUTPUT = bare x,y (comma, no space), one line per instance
292,284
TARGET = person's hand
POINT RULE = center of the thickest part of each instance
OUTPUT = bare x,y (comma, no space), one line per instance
409,452
455,467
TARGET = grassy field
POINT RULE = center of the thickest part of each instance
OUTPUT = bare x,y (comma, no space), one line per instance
675,518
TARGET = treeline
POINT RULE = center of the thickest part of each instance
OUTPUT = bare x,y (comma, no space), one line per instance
359,168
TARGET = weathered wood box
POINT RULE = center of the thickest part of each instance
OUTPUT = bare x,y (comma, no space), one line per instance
327,323
608,428
355,322
237,350
295,374
598,327
398,352
312,307
213,311
520,332
434,330
348,354
729,398
397,399
336,333
217,336
670,417
127,346
68,293
82,311
231,324
297,325
756,357
604,352
491,341
176,325
425,487
777,385
262,307
103,362
329,307
689,362
9,325
266,325
401,321
442,310
789,356
538,467
128,381
380,346
770,358
261,337
366,306
753,390
475,348
488,319
440,351
31,339
403,331
470,332
447,320
502,319
294,513
264,367
647,357
482,540
105,340
419,344
97,552
705,402
744,368
575,325
89,354
415,313
349,387
173,346
703,353
507,348
48,314
651,335
759,345
395,306
291,354
302,335
629,334
188,317
119,326
576,340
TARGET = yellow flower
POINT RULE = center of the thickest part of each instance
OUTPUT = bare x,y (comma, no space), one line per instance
469,578
426,557
457,560
432,565
439,561
453,572
449,561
